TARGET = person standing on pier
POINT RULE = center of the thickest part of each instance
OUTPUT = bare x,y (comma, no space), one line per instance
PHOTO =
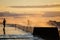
4,24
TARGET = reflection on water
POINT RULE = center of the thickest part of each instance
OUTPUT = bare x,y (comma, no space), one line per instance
16,37
16,34
19,37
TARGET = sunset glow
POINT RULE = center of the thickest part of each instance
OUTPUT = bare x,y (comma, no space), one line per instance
5,7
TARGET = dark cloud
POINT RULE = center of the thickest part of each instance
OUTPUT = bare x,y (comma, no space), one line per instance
51,14
15,14
41,6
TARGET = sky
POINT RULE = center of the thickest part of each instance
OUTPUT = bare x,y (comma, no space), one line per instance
28,2
4,6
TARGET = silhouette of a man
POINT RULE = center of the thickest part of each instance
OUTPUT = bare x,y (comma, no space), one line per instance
4,23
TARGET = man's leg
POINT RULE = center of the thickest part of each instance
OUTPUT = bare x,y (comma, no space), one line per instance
4,29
